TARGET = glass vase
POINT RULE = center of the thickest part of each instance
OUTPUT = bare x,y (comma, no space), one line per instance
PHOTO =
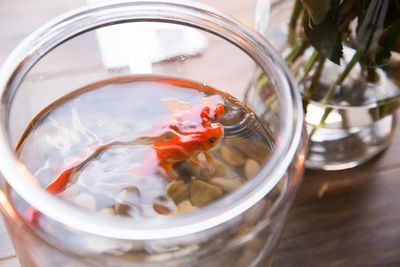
350,118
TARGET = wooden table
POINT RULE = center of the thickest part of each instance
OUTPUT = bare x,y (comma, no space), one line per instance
348,218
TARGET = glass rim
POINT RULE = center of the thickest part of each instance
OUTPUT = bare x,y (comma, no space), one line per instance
191,14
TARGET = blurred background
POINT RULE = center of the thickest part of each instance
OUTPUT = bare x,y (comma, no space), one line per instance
18,18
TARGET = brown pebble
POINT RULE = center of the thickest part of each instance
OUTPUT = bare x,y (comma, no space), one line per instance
252,149
231,156
204,174
278,189
124,209
251,168
226,184
161,209
247,259
202,193
128,201
131,191
218,169
257,212
255,244
177,191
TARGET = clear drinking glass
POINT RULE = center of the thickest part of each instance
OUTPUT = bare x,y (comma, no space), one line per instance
182,40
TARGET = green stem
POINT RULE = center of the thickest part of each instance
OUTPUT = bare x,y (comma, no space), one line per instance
309,65
293,22
372,76
315,80
356,57
296,52
322,121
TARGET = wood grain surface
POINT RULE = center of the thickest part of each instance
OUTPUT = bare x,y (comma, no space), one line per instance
348,218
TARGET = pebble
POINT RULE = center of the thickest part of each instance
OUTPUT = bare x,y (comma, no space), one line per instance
178,191
98,245
218,169
227,185
86,201
278,189
124,209
234,158
257,212
204,174
247,259
251,168
185,206
257,150
130,194
128,200
161,209
107,212
255,244
202,193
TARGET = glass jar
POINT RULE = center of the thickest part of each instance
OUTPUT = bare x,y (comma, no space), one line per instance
350,104
182,40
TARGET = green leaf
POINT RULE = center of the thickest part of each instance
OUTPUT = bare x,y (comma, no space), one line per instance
317,9
324,37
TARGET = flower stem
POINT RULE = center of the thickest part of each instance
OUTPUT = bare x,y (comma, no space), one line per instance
296,52
372,76
315,80
293,22
356,57
309,65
